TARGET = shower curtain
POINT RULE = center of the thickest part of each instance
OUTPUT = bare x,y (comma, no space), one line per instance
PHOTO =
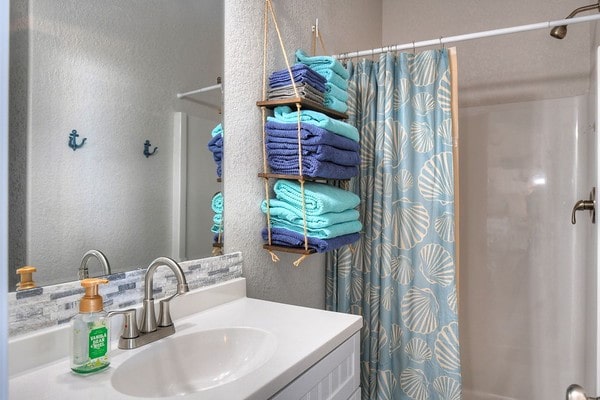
401,275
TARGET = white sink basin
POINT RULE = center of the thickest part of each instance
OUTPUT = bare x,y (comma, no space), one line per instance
192,363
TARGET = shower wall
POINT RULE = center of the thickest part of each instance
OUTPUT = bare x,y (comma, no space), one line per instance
523,266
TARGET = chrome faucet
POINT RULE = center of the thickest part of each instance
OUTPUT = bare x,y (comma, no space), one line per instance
149,331
83,268
148,323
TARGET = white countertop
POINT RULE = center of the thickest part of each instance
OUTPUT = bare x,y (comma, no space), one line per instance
304,336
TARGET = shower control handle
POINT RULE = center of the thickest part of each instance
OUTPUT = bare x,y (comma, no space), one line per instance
576,392
589,205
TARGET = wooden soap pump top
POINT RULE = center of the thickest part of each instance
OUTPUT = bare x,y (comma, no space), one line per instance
26,274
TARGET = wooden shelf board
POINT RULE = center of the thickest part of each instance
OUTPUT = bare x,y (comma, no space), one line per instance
305,103
296,177
284,249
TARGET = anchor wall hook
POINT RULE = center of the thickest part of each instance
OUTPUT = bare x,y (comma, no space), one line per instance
73,140
147,147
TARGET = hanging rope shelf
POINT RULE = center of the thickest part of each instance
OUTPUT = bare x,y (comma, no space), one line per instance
306,104
298,103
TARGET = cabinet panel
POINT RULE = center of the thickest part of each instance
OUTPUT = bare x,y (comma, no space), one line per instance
335,377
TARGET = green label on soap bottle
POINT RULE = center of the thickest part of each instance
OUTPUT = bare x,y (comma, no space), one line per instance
98,343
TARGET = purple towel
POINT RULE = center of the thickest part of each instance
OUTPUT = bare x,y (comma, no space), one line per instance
288,165
301,73
215,145
321,152
279,132
285,237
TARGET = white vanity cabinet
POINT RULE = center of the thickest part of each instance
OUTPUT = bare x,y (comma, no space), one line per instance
335,377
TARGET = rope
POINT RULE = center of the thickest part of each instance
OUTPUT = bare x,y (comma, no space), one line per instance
264,119
274,257
299,261
287,63
269,8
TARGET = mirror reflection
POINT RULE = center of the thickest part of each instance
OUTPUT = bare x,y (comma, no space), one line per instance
103,153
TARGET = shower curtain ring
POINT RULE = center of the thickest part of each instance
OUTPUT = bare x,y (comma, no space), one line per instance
443,46
414,48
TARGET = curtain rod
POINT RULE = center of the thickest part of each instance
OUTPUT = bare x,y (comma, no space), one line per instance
206,89
470,36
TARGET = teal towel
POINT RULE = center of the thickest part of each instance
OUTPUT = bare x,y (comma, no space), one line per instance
344,228
322,62
217,203
216,228
218,130
333,78
218,218
319,198
285,211
286,115
335,104
336,92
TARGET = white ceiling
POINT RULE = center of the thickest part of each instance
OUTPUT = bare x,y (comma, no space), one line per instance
512,68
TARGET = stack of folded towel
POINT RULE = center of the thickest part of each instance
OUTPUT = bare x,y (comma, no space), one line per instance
309,84
217,207
331,219
336,76
330,147
215,145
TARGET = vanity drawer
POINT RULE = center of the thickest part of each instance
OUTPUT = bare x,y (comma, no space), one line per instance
335,377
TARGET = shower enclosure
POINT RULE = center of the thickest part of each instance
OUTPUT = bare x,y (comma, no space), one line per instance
528,277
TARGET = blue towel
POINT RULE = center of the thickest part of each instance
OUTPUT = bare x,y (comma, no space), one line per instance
332,90
284,237
281,209
215,145
334,78
218,130
216,228
328,232
217,202
319,152
301,73
319,198
319,62
334,104
285,114
312,168
287,133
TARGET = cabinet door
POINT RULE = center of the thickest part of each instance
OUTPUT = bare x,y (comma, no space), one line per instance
335,377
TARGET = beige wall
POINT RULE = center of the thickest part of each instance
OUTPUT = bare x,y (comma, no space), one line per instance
512,68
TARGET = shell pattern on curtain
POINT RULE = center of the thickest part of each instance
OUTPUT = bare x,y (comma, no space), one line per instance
401,275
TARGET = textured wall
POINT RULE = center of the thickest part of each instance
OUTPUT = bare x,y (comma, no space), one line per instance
111,71
512,68
345,25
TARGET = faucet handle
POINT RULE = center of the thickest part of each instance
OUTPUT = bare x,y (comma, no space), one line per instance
130,328
164,311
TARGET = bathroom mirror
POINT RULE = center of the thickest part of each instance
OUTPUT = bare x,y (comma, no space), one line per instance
104,77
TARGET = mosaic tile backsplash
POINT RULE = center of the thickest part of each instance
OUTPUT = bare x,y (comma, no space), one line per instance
43,307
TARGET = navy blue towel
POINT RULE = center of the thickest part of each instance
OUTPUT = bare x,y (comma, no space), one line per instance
288,165
281,132
301,73
285,237
321,152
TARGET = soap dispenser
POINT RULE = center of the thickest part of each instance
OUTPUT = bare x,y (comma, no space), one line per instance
90,336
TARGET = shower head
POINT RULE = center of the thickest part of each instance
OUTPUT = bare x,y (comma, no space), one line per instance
559,32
